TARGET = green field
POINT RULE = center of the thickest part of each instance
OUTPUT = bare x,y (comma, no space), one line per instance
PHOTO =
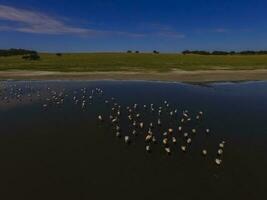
133,62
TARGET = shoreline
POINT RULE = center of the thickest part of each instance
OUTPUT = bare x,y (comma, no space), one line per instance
175,75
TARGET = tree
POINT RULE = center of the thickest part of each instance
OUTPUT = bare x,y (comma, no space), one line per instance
129,51
59,54
155,52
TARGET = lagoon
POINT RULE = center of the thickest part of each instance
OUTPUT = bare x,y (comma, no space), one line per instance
54,149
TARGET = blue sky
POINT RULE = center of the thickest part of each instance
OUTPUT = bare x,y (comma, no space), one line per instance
145,25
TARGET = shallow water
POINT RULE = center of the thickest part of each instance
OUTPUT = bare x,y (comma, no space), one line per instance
62,151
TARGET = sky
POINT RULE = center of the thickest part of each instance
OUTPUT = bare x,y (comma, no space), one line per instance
144,25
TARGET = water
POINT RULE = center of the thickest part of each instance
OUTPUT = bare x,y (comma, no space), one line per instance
62,151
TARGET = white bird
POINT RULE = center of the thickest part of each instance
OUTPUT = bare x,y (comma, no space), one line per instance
117,128
221,145
218,161
114,120
220,152
168,150
165,141
148,148
170,130
188,140
154,140
118,134
83,104
100,118
185,114
127,139
148,138
183,148
204,152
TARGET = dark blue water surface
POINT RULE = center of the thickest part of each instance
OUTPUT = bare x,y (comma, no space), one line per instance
52,147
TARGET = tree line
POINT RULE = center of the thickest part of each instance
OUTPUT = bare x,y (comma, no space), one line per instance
26,54
16,52
225,52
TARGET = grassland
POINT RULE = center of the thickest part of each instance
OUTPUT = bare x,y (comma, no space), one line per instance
106,62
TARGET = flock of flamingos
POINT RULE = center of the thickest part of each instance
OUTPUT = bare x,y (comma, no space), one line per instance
157,124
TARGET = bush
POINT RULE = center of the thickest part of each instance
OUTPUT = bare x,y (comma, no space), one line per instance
129,51
59,54
155,52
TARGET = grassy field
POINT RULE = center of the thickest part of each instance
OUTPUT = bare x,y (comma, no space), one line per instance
133,62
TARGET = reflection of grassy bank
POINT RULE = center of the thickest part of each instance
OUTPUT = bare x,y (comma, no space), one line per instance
82,62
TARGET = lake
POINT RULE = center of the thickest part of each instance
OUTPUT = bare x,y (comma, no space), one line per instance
58,141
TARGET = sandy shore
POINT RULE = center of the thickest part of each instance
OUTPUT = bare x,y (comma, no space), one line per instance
181,76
